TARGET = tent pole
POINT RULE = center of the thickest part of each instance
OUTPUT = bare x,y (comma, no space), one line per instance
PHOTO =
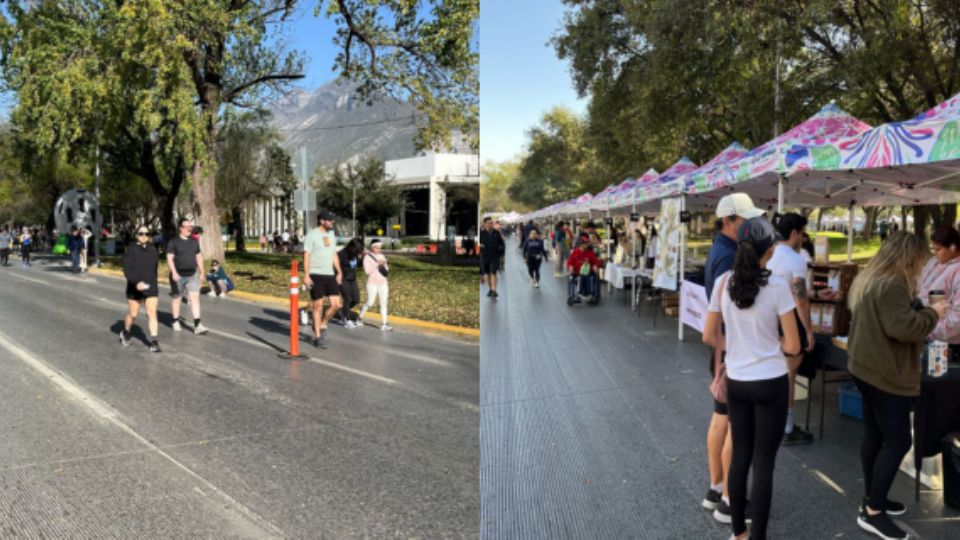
608,225
633,242
680,269
850,234
780,187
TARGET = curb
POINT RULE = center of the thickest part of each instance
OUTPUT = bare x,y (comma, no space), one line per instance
426,326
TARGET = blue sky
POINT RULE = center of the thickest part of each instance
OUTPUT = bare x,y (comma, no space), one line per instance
520,75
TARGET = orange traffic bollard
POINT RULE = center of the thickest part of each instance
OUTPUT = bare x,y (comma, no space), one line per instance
294,312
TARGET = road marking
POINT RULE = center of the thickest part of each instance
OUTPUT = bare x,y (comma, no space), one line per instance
104,411
35,280
826,480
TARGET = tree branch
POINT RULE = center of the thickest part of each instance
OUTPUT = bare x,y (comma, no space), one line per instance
229,95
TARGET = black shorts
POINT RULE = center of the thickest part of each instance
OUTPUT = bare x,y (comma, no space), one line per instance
719,408
804,344
489,266
323,286
140,296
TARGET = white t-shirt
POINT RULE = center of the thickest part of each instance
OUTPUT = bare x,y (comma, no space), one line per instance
753,339
787,264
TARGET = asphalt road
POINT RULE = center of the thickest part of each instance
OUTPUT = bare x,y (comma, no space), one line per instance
594,420
376,436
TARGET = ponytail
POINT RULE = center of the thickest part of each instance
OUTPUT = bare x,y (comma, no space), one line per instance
747,276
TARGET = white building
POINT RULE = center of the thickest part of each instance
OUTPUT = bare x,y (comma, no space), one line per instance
426,181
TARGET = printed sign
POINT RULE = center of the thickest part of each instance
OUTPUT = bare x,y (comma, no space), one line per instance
668,245
693,305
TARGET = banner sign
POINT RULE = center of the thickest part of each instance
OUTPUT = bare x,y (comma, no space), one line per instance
668,245
693,305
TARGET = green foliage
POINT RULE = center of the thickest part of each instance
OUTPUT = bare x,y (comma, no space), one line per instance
417,50
377,200
250,162
495,181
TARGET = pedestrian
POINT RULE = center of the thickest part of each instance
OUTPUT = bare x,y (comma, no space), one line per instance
492,248
535,253
502,248
749,300
285,239
788,263
220,283
85,235
26,241
277,242
186,266
732,210
324,274
75,248
560,247
378,290
349,261
140,269
6,240
884,230
263,242
652,247
887,333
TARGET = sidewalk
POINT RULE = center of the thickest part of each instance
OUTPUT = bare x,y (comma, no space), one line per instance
593,424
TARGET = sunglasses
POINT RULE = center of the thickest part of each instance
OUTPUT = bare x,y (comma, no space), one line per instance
143,233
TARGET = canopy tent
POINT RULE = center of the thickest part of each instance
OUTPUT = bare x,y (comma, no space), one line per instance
603,199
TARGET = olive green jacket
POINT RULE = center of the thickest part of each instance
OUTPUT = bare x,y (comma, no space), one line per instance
886,338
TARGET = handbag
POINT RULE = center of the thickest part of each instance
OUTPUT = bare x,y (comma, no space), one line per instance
718,386
383,271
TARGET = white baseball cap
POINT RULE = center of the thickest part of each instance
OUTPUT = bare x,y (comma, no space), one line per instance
738,204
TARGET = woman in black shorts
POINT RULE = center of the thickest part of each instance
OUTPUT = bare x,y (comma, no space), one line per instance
140,269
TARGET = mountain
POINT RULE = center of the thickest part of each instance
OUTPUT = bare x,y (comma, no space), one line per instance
336,126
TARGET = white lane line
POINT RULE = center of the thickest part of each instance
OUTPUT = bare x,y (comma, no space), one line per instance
27,278
107,413
826,480
320,361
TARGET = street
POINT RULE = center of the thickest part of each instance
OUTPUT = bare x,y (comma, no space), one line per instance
376,436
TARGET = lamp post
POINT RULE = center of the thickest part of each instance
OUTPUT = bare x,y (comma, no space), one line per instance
97,221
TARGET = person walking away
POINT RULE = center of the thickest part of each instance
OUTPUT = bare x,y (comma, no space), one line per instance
560,247
491,249
324,274
732,210
502,248
792,268
535,253
140,269
186,267
85,235
376,267
887,332
350,257
263,242
26,241
220,283
74,247
6,240
749,301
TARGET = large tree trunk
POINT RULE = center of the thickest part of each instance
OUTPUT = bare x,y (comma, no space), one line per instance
871,221
237,216
921,218
205,207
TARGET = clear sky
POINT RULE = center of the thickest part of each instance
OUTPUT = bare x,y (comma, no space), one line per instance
520,74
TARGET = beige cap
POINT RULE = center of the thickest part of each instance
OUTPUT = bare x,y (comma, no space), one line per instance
738,204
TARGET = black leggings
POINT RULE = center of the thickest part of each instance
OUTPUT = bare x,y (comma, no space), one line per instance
533,267
886,440
758,412
351,297
25,254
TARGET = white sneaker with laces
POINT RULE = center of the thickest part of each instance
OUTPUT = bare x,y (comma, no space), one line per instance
386,328
349,324
200,329
176,326
211,293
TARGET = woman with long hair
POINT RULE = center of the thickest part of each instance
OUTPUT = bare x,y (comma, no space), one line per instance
749,302
349,261
534,252
887,334
376,268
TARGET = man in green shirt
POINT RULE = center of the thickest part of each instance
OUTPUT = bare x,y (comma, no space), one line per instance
323,275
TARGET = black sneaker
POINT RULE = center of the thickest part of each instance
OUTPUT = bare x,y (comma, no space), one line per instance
880,525
797,437
892,508
318,343
494,294
712,500
723,514
155,347
124,338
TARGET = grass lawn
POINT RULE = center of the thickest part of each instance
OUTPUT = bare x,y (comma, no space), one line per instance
418,290
863,250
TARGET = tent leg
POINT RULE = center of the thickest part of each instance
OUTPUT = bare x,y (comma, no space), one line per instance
680,269
850,234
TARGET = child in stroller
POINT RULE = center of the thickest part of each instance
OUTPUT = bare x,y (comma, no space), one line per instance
584,282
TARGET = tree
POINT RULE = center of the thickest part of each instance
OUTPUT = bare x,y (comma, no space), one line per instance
494,185
250,165
558,164
377,200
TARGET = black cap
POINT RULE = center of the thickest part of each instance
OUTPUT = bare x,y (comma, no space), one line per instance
326,215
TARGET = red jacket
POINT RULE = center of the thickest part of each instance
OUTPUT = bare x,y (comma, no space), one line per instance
578,257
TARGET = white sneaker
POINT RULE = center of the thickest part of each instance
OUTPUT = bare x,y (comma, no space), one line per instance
222,295
200,329
537,285
349,324
304,318
176,326
386,328
211,293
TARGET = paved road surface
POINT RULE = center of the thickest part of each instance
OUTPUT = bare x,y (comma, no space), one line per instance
376,436
593,425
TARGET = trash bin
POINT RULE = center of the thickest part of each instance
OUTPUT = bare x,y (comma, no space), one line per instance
951,470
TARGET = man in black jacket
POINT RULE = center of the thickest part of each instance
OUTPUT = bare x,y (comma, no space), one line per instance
140,269
491,249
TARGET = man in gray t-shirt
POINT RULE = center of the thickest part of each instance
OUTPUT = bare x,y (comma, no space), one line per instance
5,241
323,276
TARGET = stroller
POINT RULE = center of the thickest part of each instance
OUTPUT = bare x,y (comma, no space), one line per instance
583,287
